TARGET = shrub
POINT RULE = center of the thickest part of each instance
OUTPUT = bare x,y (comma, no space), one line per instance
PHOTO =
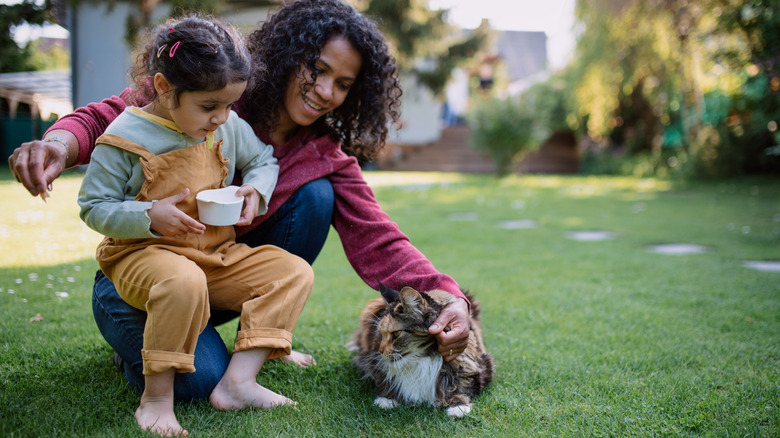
505,129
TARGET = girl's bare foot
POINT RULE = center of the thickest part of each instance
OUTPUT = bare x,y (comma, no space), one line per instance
155,412
240,395
155,415
301,359
238,388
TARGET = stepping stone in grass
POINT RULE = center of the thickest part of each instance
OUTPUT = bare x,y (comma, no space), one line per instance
678,249
517,224
762,266
590,236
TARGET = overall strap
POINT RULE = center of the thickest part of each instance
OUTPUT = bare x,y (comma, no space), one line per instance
124,144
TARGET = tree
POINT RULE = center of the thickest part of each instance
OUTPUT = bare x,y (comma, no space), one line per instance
12,57
426,45
688,84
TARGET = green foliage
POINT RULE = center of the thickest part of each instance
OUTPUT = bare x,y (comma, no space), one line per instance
55,58
510,127
425,44
12,57
550,102
687,88
505,129
436,76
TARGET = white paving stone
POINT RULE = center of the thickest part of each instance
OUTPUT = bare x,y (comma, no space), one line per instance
517,224
590,236
762,266
678,249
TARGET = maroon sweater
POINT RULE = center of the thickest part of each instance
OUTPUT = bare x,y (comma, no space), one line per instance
374,245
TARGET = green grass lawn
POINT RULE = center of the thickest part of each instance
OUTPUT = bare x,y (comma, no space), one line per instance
590,338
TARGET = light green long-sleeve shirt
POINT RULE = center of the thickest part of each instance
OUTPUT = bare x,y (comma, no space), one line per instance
114,176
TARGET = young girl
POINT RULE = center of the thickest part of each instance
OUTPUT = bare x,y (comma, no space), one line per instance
139,191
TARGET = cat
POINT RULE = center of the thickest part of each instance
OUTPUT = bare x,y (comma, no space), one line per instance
396,352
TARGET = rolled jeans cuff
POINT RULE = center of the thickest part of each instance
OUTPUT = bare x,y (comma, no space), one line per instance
159,361
278,340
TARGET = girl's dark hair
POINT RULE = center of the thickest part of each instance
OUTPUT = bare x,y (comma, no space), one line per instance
293,37
194,53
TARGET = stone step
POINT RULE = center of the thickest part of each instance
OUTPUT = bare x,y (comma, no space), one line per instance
452,153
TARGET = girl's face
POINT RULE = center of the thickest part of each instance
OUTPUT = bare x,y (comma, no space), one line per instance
337,68
200,112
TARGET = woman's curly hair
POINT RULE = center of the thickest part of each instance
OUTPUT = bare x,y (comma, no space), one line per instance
293,37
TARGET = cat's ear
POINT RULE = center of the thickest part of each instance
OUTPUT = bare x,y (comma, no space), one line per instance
388,294
411,298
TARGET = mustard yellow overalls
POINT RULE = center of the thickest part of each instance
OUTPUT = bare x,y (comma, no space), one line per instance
177,280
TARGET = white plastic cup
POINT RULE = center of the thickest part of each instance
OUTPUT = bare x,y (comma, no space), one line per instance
219,206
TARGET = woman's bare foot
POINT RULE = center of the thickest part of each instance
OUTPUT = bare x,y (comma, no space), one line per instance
155,415
240,395
301,359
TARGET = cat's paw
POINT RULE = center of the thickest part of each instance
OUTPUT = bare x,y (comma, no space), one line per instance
385,403
458,411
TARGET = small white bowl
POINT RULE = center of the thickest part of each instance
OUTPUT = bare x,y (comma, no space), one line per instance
220,206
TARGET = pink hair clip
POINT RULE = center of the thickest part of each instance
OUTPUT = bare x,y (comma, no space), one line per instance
160,50
173,49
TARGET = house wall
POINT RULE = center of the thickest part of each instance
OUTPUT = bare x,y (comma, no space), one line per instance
100,58
421,121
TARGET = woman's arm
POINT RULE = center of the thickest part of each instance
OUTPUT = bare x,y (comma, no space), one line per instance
68,142
380,252
374,245
88,123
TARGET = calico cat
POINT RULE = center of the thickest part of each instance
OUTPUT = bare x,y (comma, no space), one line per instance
398,354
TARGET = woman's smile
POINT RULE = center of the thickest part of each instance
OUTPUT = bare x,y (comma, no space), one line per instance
312,105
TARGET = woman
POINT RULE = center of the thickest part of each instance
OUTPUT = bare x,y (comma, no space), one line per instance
324,90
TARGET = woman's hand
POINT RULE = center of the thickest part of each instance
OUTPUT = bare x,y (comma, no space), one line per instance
37,164
168,220
251,204
454,316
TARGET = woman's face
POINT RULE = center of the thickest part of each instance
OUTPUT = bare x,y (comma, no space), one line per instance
337,68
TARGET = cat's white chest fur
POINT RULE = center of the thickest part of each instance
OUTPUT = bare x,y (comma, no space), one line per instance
415,378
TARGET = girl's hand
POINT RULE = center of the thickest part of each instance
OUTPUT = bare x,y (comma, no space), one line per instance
168,220
251,204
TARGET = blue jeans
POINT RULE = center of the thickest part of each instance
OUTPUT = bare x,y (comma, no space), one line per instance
300,226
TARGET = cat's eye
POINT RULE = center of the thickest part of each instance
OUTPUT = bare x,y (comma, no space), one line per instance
394,335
